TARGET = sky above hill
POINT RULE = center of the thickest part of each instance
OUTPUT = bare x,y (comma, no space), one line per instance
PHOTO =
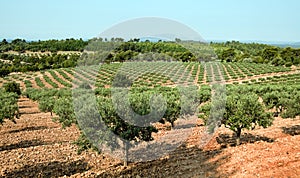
256,20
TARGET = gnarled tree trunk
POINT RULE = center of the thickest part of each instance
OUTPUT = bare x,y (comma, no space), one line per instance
238,136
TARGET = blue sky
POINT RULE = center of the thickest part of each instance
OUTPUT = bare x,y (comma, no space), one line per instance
263,20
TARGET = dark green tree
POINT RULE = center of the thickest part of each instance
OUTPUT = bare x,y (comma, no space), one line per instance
46,104
9,107
244,111
228,55
12,87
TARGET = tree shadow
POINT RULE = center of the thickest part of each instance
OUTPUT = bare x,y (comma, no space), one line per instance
182,162
227,140
49,169
31,128
30,112
293,130
184,126
23,107
22,144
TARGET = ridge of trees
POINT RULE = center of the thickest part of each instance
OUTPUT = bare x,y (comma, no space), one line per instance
117,50
21,45
235,51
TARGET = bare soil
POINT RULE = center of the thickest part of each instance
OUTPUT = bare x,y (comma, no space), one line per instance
38,147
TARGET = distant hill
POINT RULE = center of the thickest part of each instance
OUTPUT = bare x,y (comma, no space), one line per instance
293,45
281,44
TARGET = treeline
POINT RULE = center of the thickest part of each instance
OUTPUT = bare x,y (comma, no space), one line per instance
21,45
130,51
116,50
186,51
22,63
235,51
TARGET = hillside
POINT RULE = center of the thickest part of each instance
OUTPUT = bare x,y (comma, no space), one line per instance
148,109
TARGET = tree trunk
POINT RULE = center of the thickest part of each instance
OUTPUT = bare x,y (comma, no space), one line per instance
18,114
238,136
172,125
126,145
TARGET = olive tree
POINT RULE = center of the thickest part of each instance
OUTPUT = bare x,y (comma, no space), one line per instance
8,107
46,104
244,111
63,107
12,87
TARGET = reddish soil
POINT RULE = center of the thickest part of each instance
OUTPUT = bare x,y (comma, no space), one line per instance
38,147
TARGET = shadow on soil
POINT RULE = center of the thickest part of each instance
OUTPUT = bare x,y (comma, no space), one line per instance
29,112
31,128
227,140
183,162
293,130
25,107
22,144
49,169
185,126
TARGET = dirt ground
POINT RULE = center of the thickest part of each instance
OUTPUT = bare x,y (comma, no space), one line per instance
38,147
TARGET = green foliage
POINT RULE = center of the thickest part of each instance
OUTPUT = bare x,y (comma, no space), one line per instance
217,104
120,51
190,99
21,45
258,53
84,85
37,94
285,99
39,82
277,61
12,87
119,126
228,55
8,107
173,110
49,81
154,51
4,71
272,99
105,92
121,80
47,97
28,83
244,111
64,109
204,111
204,93
84,144
269,53
292,106
46,104
27,62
